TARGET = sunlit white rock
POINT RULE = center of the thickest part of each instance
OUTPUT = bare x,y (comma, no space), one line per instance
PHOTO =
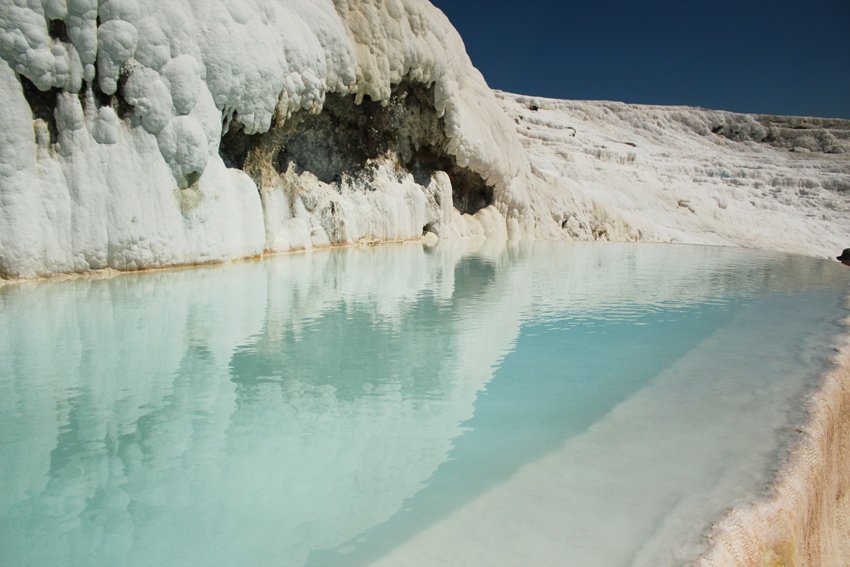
140,103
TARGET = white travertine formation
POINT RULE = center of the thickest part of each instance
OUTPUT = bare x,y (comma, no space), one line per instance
136,107
138,134
128,117
615,171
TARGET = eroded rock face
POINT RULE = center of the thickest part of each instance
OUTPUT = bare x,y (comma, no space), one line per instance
795,133
367,171
139,134
346,141
168,135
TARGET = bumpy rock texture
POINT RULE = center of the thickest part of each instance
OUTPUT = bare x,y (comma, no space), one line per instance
608,170
137,134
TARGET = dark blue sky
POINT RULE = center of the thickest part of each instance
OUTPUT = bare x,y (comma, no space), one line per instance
772,57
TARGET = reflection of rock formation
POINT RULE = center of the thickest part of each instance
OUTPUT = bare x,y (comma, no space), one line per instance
295,402
592,278
108,378
371,402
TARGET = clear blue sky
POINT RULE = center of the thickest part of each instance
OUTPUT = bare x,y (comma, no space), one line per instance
772,57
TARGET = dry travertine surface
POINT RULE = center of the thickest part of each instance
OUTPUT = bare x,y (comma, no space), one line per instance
616,171
137,134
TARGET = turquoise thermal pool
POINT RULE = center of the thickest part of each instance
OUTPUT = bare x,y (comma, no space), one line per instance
490,403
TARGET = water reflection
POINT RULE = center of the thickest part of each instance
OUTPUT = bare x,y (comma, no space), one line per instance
256,413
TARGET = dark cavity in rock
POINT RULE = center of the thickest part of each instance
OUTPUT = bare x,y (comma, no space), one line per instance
42,104
470,193
344,141
236,145
343,137
58,30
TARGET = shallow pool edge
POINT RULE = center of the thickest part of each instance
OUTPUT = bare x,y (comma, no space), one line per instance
806,519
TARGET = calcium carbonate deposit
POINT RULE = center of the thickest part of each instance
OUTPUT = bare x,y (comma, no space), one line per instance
139,134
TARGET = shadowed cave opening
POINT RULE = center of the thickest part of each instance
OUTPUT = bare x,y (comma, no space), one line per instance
42,104
235,145
470,193
345,140
58,30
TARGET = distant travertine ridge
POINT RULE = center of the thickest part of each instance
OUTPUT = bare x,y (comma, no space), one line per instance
140,134
677,174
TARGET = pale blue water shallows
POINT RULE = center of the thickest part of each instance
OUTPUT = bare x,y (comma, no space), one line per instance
491,404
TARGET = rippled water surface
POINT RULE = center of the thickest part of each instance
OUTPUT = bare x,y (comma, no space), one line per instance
586,404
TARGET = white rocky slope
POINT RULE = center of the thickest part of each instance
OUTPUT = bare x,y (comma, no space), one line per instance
679,174
139,134
121,117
